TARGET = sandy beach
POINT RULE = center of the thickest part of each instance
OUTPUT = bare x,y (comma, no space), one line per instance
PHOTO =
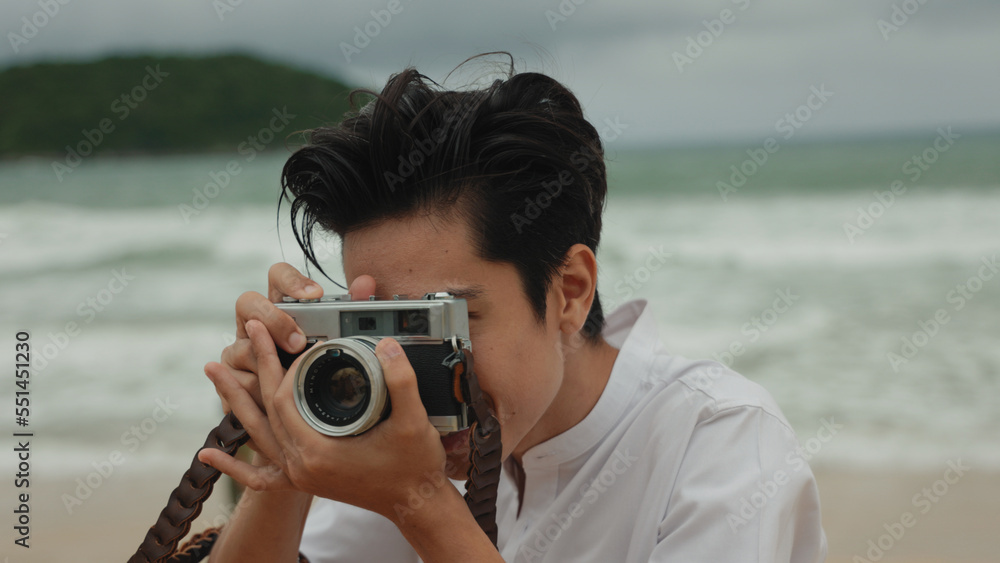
107,526
960,527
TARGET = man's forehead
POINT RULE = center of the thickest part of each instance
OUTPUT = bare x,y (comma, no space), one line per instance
469,292
411,281
413,256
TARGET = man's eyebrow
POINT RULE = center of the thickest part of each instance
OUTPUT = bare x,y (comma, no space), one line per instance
467,292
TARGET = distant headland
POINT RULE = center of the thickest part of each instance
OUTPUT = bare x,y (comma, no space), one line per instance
161,104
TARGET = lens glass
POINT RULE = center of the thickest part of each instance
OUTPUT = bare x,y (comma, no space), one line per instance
348,387
337,388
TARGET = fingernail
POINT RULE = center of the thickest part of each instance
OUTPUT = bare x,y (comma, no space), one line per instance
312,288
390,349
296,341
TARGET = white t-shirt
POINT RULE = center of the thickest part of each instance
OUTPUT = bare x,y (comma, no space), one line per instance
680,461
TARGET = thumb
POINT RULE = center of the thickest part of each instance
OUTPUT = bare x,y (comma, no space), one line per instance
361,287
401,382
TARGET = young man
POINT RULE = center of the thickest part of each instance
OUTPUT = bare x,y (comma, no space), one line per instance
614,449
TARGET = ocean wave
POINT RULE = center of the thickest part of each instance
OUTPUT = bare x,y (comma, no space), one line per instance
708,267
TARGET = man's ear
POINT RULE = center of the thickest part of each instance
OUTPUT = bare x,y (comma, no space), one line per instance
576,286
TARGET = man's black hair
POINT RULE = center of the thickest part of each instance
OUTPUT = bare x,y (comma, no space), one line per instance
516,161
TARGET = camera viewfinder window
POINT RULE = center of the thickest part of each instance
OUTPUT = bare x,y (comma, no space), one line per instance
366,323
412,322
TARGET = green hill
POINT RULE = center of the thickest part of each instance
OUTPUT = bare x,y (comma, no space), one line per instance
158,104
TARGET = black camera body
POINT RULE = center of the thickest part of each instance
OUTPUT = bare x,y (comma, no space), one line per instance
339,386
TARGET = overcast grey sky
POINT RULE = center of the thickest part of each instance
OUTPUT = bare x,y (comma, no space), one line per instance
938,65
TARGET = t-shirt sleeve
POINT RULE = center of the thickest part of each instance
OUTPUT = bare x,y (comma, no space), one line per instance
743,493
340,533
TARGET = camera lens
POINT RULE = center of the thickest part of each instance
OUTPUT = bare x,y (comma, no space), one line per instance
339,386
337,390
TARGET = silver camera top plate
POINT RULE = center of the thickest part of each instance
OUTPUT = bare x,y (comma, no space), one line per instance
438,316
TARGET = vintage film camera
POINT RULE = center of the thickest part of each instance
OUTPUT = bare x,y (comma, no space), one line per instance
339,386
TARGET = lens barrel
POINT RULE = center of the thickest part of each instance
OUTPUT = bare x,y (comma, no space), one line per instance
339,387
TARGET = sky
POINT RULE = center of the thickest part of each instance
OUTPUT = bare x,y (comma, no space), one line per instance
647,72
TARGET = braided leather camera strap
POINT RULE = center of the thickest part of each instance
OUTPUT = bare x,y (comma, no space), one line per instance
185,502
485,455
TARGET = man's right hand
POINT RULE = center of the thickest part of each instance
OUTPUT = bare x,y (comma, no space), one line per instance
267,526
282,280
